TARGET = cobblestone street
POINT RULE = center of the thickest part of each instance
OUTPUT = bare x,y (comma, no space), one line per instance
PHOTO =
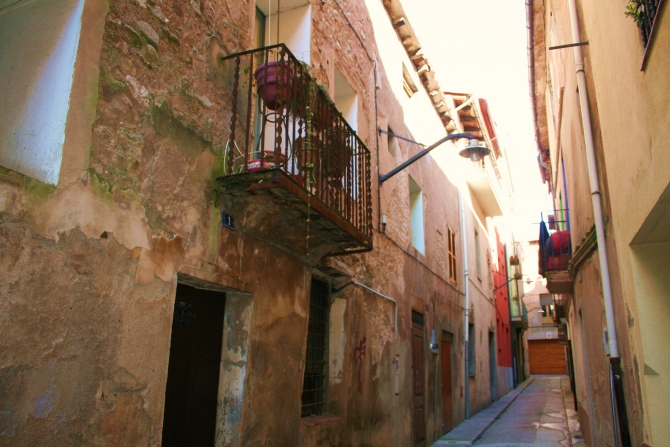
539,413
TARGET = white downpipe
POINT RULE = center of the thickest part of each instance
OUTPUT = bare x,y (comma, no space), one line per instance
593,179
466,328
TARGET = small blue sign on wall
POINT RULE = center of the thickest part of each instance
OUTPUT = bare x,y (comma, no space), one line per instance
227,220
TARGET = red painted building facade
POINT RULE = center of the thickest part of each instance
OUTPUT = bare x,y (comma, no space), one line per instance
503,329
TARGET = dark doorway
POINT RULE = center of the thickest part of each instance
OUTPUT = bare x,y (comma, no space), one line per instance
418,378
193,370
493,368
447,394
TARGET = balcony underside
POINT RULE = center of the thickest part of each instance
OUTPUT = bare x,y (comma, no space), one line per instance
273,207
519,322
558,282
483,190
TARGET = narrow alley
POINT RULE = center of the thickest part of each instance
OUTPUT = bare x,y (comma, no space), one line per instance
540,412
334,223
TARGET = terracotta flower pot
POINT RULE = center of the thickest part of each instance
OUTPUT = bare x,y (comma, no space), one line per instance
268,77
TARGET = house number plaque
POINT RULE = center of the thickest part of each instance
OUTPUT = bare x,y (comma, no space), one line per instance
227,220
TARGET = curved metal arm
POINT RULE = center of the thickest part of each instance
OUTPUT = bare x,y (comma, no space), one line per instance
454,136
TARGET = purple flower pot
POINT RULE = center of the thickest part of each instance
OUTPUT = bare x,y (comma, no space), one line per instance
274,82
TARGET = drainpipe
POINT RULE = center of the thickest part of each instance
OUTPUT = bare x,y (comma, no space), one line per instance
466,329
512,329
616,378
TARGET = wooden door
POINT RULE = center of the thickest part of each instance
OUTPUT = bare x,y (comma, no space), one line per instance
418,376
447,395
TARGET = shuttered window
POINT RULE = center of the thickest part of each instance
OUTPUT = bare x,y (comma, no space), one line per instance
451,253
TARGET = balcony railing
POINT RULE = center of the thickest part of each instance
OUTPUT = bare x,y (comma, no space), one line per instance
555,244
282,121
525,312
555,254
519,314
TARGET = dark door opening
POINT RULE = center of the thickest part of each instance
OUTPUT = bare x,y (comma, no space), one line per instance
418,376
493,368
447,394
193,371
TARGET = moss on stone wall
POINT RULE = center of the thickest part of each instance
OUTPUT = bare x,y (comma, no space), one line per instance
168,126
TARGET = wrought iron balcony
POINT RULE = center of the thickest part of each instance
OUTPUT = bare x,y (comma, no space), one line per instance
295,171
519,314
555,254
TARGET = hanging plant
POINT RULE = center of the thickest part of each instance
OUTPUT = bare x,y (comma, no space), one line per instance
309,168
635,10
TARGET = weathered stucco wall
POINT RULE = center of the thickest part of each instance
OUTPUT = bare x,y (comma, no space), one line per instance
629,105
595,407
634,108
84,345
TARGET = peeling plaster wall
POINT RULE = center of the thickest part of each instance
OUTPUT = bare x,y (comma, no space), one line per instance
595,397
628,106
72,316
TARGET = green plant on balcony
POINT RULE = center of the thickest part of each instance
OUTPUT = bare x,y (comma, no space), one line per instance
635,10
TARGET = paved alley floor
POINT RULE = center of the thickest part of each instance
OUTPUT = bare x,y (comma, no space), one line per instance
538,413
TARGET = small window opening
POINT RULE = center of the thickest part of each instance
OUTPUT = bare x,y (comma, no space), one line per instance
391,142
451,253
472,359
416,216
316,362
478,255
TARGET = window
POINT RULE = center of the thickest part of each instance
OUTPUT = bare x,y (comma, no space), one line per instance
548,315
346,101
478,255
547,306
391,142
408,83
451,254
259,42
416,216
259,35
316,362
292,26
36,83
472,359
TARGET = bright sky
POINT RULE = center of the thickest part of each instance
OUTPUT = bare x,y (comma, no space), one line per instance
479,47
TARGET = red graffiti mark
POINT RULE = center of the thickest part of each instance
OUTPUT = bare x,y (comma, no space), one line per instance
359,353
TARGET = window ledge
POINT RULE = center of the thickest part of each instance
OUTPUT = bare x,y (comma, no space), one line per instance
309,421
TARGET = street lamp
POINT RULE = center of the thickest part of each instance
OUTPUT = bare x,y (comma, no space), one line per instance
474,152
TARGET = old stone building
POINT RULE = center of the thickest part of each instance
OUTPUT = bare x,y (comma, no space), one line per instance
196,247
600,92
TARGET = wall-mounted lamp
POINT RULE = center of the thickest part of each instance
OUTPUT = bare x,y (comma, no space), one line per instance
474,152
517,276
383,223
538,309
